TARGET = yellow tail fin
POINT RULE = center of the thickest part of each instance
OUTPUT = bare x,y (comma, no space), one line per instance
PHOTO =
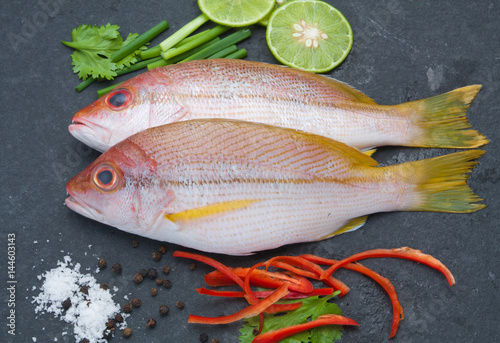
442,120
441,183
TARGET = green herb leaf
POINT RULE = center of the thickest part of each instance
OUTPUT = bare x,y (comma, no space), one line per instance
93,48
311,309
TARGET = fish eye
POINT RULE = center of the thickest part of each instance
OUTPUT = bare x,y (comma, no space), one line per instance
118,99
105,177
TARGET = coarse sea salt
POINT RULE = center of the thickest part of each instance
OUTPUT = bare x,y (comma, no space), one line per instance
88,313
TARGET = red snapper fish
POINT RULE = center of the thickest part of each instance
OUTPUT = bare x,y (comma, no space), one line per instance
275,95
237,187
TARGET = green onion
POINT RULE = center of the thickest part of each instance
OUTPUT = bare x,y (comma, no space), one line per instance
103,91
224,52
85,84
160,63
211,34
156,51
242,53
234,38
137,66
139,41
183,32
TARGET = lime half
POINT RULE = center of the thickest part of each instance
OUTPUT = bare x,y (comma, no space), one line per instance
309,35
236,13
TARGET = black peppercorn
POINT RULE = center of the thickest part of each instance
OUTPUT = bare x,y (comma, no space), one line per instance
66,304
84,289
143,272
162,249
101,263
137,278
116,268
156,255
110,323
151,323
192,266
136,302
164,310
203,338
127,308
152,273
215,340
166,270
104,286
167,283
154,291
118,318
135,244
180,305
127,332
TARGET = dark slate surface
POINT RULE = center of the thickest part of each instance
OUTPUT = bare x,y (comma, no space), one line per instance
404,50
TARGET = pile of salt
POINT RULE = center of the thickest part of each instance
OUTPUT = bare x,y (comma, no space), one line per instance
88,312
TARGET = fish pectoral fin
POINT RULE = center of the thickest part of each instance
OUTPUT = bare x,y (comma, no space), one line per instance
209,210
352,225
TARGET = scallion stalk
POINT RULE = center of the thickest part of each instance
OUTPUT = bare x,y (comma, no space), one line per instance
224,52
242,53
139,41
234,38
183,32
211,34
103,91
156,51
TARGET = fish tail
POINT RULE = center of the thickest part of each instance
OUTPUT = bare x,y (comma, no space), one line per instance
439,184
441,120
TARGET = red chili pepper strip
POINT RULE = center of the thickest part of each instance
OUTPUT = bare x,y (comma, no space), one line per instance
252,298
397,309
309,269
263,294
247,312
223,269
261,278
404,253
280,334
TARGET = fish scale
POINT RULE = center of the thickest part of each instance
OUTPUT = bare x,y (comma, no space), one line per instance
237,187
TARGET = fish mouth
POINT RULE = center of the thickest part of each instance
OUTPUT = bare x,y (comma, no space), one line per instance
90,133
76,204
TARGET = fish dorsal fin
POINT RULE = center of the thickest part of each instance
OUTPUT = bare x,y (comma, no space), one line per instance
209,210
352,225
349,91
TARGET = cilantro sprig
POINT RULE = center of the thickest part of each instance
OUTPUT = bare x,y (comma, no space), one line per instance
311,309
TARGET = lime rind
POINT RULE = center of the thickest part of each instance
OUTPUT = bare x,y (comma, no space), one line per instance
289,51
236,13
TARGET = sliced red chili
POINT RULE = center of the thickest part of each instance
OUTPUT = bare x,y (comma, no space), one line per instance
280,334
397,309
247,312
302,266
263,294
404,253
261,278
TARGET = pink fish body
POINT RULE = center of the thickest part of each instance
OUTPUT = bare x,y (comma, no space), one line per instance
275,95
237,187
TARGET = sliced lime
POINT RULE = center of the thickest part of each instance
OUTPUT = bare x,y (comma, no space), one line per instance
236,13
309,35
279,3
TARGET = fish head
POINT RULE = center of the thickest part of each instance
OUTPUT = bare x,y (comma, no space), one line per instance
120,189
114,116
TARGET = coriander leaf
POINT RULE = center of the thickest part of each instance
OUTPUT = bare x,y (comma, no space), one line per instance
311,309
93,48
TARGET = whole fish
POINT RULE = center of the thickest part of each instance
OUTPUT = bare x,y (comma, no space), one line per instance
275,95
237,187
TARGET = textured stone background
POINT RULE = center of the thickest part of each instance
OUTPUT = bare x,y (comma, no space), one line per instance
403,50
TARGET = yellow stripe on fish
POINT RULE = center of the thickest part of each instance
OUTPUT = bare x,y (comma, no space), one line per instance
237,187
